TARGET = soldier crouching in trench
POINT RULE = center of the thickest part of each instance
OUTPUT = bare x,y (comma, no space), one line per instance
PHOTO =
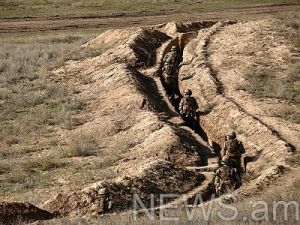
229,175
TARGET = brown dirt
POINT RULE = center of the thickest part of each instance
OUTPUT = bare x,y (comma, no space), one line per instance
91,200
13,213
220,113
245,46
129,112
135,122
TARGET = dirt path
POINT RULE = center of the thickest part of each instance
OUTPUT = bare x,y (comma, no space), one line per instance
140,19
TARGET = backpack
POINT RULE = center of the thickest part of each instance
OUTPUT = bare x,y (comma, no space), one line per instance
233,148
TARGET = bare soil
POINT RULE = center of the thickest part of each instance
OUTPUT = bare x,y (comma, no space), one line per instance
130,117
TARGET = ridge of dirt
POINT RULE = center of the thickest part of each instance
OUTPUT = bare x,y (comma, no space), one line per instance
220,114
278,49
91,200
14,212
158,149
131,120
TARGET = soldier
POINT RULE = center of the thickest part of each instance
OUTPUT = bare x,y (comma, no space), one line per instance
229,175
188,105
225,180
170,69
232,152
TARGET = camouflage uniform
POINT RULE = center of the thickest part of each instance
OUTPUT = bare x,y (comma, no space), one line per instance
188,106
229,175
226,180
170,69
231,153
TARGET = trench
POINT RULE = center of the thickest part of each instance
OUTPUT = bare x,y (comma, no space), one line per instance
207,167
195,124
205,189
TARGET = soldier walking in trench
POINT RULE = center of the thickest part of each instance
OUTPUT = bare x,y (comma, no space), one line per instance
170,70
188,107
228,176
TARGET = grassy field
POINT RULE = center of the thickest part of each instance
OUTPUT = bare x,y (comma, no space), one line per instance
263,83
32,107
44,8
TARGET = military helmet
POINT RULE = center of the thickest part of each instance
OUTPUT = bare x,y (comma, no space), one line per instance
174,48
231,135
188,92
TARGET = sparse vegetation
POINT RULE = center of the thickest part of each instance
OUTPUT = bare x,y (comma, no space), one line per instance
38,8
43,164
82,145
40,145
265,84
31,105
266,81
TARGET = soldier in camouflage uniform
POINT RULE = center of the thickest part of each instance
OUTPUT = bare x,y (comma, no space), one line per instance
170,69
228,176
232,151
225,180
188,107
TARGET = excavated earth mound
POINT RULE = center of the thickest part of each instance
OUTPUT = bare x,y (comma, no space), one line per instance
136,122
268,152
152,179
13,213
131,114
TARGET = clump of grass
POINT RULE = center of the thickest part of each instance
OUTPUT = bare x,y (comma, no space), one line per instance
5,168
19,181
294,23
81,146
290,115
43,164
265,84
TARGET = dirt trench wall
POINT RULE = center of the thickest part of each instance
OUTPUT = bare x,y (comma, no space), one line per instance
220,114
158,177
15,213
130,108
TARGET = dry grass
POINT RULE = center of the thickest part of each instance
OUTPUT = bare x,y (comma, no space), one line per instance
268,81
82,145
265,84
32,107
38,8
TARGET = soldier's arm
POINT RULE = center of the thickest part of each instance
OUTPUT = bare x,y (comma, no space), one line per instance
196,104
242,148
180,106
223,150
165,58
